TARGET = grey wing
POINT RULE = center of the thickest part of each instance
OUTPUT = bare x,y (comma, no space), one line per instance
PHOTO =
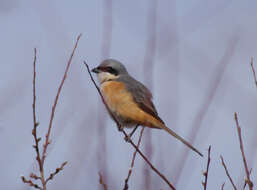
142,96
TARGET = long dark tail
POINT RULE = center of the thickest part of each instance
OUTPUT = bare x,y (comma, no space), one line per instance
181,139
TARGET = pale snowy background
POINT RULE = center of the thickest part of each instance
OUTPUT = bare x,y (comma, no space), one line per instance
201,76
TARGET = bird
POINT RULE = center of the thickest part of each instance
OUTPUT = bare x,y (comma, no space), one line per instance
128,100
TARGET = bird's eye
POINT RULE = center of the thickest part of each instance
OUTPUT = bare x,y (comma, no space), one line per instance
111,70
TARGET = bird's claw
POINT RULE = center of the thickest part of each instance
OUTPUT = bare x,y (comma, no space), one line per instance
127,138
120,128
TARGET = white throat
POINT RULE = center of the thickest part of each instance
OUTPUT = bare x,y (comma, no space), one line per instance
105,76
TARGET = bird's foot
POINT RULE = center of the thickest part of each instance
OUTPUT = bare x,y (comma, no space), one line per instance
120,128
127,138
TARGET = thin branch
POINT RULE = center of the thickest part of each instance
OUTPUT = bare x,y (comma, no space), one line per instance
247,180
225,167
41,159
133,160
57,170
34,176
207,169
101,181
35,125
253,152
30,183
222,186
125,134
47,141
254,74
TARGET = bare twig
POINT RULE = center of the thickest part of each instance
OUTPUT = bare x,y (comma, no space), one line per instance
205,173
254,74
125,134
47,141
225,167
101,181
35,125
30,183
222,186
57,170
133,160
253,152
247,180
34,176
41,159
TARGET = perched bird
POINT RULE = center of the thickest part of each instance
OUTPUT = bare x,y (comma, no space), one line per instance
129,100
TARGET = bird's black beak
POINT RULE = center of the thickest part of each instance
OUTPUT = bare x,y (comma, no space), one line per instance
95,70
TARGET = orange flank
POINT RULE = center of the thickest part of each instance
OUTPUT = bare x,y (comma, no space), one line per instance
119,100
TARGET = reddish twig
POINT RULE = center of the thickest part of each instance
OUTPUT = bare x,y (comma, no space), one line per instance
101,181
226,170
207,169
34,176
247,180
126,135
57,170
133,160
47,141
41,159
34,133
35,123
30,183
222,186
254,74
252,155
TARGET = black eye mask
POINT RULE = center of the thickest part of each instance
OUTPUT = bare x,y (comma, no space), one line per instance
109,70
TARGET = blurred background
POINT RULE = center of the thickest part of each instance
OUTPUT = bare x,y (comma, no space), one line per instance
193,55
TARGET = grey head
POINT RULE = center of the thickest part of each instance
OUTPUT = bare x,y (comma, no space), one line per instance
112,67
